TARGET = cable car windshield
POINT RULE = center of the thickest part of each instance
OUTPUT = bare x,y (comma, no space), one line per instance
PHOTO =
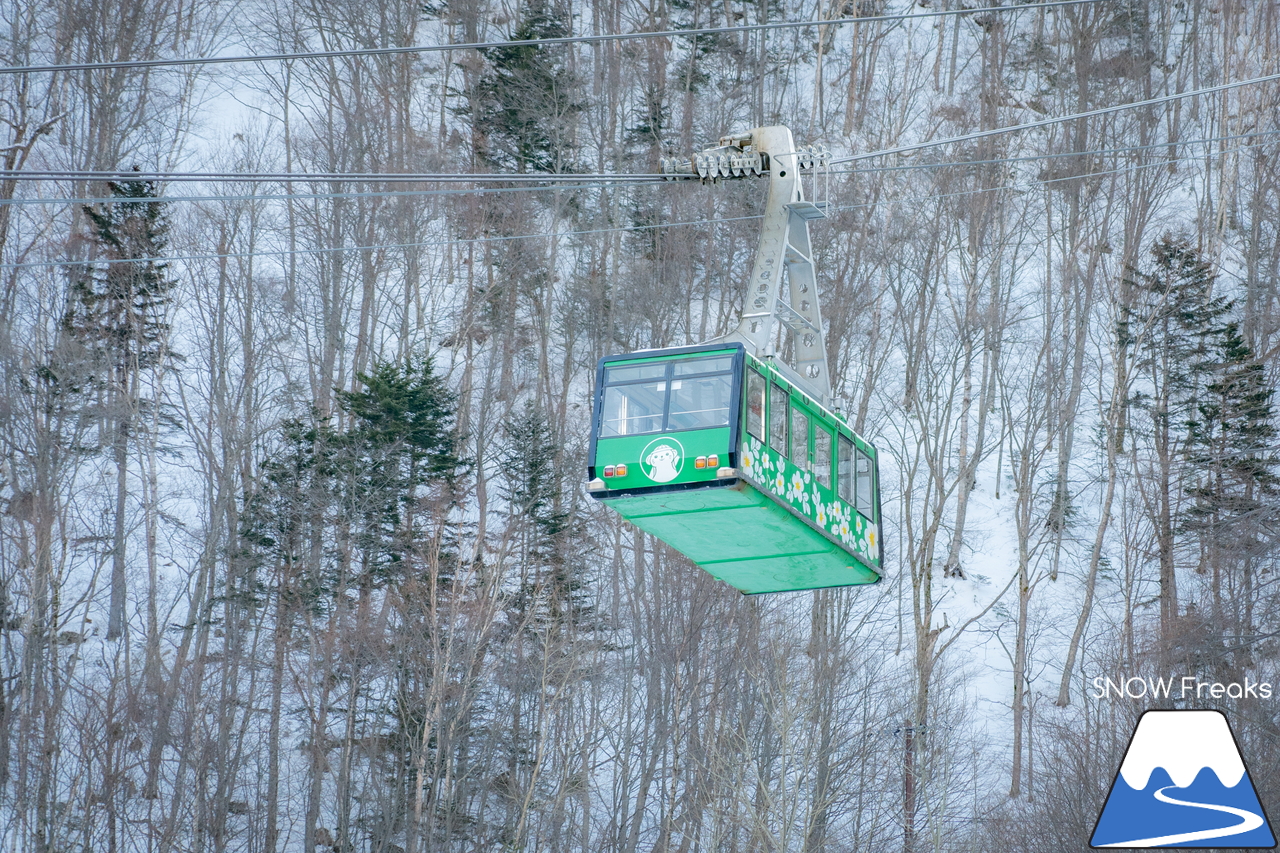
688,393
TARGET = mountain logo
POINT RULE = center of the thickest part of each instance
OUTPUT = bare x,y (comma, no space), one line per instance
1183,783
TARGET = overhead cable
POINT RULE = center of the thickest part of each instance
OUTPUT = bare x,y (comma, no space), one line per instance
588,186
585,39
164,199
598,180
415,245
345,177
982,134
948,164
586,232
286,177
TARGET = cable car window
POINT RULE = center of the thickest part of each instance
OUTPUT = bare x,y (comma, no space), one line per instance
632,409
631,373
715,364
701,402
844,469
755,405
800,438
779,414
822,455
863,485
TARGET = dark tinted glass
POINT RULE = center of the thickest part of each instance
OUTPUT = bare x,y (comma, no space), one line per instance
633,372
844,468
822,455
800,438
632,409
713,364
755,405
779,414
864,485
702,402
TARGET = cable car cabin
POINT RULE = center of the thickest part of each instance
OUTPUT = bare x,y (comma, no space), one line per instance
717,454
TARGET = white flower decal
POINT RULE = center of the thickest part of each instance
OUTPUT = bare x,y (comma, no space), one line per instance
801,490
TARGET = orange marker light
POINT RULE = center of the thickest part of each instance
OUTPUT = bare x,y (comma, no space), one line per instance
713,461
700,462
620,471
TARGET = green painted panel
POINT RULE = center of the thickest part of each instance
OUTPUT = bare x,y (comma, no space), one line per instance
748,529
744,538
662,459
793,572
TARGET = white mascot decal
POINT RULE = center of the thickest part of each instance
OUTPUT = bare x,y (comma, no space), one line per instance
662,463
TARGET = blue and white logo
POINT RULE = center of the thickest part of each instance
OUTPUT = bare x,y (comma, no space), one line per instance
1183,783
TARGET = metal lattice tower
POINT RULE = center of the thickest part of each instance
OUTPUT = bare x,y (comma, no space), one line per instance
783,247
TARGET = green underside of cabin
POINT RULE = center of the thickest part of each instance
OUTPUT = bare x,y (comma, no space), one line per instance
743,538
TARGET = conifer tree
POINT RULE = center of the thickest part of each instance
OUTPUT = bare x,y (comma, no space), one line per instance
527,101
531,464
1235,490
1169,325
401,442
117,312
362,507
546,611
358,497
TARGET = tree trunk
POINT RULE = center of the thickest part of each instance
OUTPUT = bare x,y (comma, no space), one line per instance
115,613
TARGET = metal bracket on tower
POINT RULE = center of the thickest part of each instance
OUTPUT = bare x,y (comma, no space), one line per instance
784,245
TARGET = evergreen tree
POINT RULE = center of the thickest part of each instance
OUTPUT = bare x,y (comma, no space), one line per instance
548,530
546,611
532,483
1168,323
410,409
400,444
117,313
527,100
286,517
354,519
1235,490
118,307
360,496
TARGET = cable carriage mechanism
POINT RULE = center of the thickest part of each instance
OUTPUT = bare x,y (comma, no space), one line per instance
727,452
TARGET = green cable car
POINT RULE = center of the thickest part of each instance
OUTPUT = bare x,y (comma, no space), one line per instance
725,451
721,456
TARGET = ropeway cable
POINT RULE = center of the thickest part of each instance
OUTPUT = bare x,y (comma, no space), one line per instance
585,39
164,199
947,164
587,232
620,177
597,179
1101,111
344,177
